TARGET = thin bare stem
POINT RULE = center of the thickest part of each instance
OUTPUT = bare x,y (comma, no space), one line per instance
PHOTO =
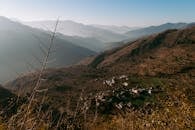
43,67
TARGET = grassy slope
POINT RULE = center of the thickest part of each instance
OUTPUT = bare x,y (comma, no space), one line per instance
165,60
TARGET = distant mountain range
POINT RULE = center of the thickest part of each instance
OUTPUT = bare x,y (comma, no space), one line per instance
20,44
115,29
102,37
87,42
133,34
20,49
72,28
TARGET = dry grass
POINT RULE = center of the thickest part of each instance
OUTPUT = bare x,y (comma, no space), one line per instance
171,68
168,117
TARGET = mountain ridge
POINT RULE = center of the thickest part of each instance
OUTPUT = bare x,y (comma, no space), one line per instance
72,28
155,29
152,77
21,45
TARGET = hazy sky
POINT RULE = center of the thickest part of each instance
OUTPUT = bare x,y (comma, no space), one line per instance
116,12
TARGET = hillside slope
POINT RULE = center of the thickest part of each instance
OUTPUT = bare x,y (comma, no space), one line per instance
4,93
20,46
153,48
8,103
146,84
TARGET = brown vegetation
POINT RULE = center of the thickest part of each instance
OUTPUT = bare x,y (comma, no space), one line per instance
71,98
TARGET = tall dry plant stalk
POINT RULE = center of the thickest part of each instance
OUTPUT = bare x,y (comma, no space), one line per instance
38,83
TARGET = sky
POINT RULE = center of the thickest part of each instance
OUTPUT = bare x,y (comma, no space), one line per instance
105,12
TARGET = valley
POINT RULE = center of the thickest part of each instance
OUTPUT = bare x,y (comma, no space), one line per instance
147,83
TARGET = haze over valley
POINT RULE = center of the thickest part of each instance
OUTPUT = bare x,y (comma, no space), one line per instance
22,44
97,65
